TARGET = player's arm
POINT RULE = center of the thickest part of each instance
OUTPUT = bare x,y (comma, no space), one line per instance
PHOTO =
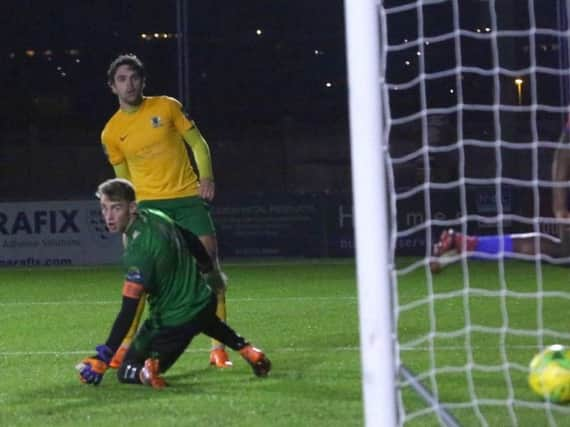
213,276
132,294
122,170
92,369
561,173
120,353
201,152
197,250
114,154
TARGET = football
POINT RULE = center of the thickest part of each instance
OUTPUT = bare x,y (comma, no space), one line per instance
549,375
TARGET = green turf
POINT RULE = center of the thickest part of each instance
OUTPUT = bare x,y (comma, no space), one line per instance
304,314
490,359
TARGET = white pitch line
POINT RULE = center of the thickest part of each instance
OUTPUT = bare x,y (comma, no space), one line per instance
189,350
273,350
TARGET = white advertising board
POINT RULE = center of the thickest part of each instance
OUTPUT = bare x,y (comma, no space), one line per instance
55,234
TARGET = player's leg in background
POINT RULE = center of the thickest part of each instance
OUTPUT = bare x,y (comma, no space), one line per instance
452,243
547,245
214,327
218,354
193,214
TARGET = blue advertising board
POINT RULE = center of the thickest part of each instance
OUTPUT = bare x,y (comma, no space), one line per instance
253,225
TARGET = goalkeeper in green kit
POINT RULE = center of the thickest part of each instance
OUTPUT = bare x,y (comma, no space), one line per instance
169,266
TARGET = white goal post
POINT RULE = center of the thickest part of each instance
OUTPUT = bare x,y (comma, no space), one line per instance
456,108
370,213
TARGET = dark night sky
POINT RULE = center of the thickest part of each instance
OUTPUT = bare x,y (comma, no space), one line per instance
260,71
284,70
262,74
295,67
61,22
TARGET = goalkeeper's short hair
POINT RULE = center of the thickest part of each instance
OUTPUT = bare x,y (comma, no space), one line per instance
117,190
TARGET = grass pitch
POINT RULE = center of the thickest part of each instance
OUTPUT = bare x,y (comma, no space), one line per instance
472,330
304,315
474,339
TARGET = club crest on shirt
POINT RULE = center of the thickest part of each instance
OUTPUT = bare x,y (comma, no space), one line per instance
156,121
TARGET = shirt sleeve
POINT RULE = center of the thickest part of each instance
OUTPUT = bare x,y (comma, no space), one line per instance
201,152
111,149
139,268
122,170
179,118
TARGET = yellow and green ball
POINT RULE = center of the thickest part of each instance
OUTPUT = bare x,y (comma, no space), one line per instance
549,375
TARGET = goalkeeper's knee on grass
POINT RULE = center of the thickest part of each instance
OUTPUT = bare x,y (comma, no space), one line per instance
137,373
129,372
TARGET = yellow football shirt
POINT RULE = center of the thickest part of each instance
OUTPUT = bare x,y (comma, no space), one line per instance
150,141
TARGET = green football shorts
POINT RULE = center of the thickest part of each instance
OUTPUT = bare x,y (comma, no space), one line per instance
192,213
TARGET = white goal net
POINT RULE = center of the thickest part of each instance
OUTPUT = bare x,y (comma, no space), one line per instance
474,97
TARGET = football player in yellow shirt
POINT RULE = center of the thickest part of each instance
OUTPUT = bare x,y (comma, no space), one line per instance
145,143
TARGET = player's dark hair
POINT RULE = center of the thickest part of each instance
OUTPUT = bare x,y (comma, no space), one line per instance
117,190
129,59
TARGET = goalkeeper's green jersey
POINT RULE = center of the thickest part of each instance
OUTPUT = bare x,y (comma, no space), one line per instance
157,257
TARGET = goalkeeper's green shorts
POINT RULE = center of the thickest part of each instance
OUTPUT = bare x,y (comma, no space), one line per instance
192,213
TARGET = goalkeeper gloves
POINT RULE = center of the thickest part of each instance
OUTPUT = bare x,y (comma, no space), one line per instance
92,369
